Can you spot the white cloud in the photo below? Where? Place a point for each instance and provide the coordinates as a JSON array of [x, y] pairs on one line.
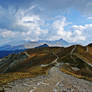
[[25, 25], [82, 27], [8, 33], [78, 32], [32, 25], [90, 18], [78, 27], [29, 26], [29, 20], [59, 25], [84, 32], [74, 35], [33, 29]]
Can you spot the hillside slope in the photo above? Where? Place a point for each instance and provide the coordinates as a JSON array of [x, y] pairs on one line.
[[74, 60]]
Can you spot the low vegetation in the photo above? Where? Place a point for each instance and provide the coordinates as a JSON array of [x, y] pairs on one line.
[[28, 63]]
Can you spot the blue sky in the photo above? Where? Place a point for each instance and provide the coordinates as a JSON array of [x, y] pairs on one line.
[[33, 20]]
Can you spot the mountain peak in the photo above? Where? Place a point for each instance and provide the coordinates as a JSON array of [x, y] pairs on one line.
[[44, 45]]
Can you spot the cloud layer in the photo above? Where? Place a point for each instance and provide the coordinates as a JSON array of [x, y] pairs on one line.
[[32, 20]]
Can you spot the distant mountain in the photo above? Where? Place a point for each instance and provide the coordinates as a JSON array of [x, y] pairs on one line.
[[9, 47], [4, 53], [90, 45], [5, 50], [44, 45], [60, 42], [33, 44]]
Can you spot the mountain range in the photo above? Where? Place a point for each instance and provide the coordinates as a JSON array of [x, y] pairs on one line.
[[7, 49], [33, 44]]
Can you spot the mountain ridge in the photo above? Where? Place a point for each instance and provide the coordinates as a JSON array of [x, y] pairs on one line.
[[33, 44], [75, 60]]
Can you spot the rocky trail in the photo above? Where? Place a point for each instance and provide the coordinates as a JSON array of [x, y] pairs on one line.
[[56, 81]]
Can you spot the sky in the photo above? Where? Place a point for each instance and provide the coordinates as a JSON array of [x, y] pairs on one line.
[[32, 20]]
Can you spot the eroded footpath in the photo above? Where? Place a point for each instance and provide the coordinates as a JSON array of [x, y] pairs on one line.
[[56, 81]]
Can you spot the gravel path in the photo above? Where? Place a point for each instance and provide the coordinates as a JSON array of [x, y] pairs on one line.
[[56, 81]]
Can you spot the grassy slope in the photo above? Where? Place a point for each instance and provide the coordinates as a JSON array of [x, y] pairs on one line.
[[29, 66], [77, 61]]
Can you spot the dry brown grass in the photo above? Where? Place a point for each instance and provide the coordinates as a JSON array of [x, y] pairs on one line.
[[8, 77], [85, 58], [34, 71], [77, 75], [35, 54], [30, 67]]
